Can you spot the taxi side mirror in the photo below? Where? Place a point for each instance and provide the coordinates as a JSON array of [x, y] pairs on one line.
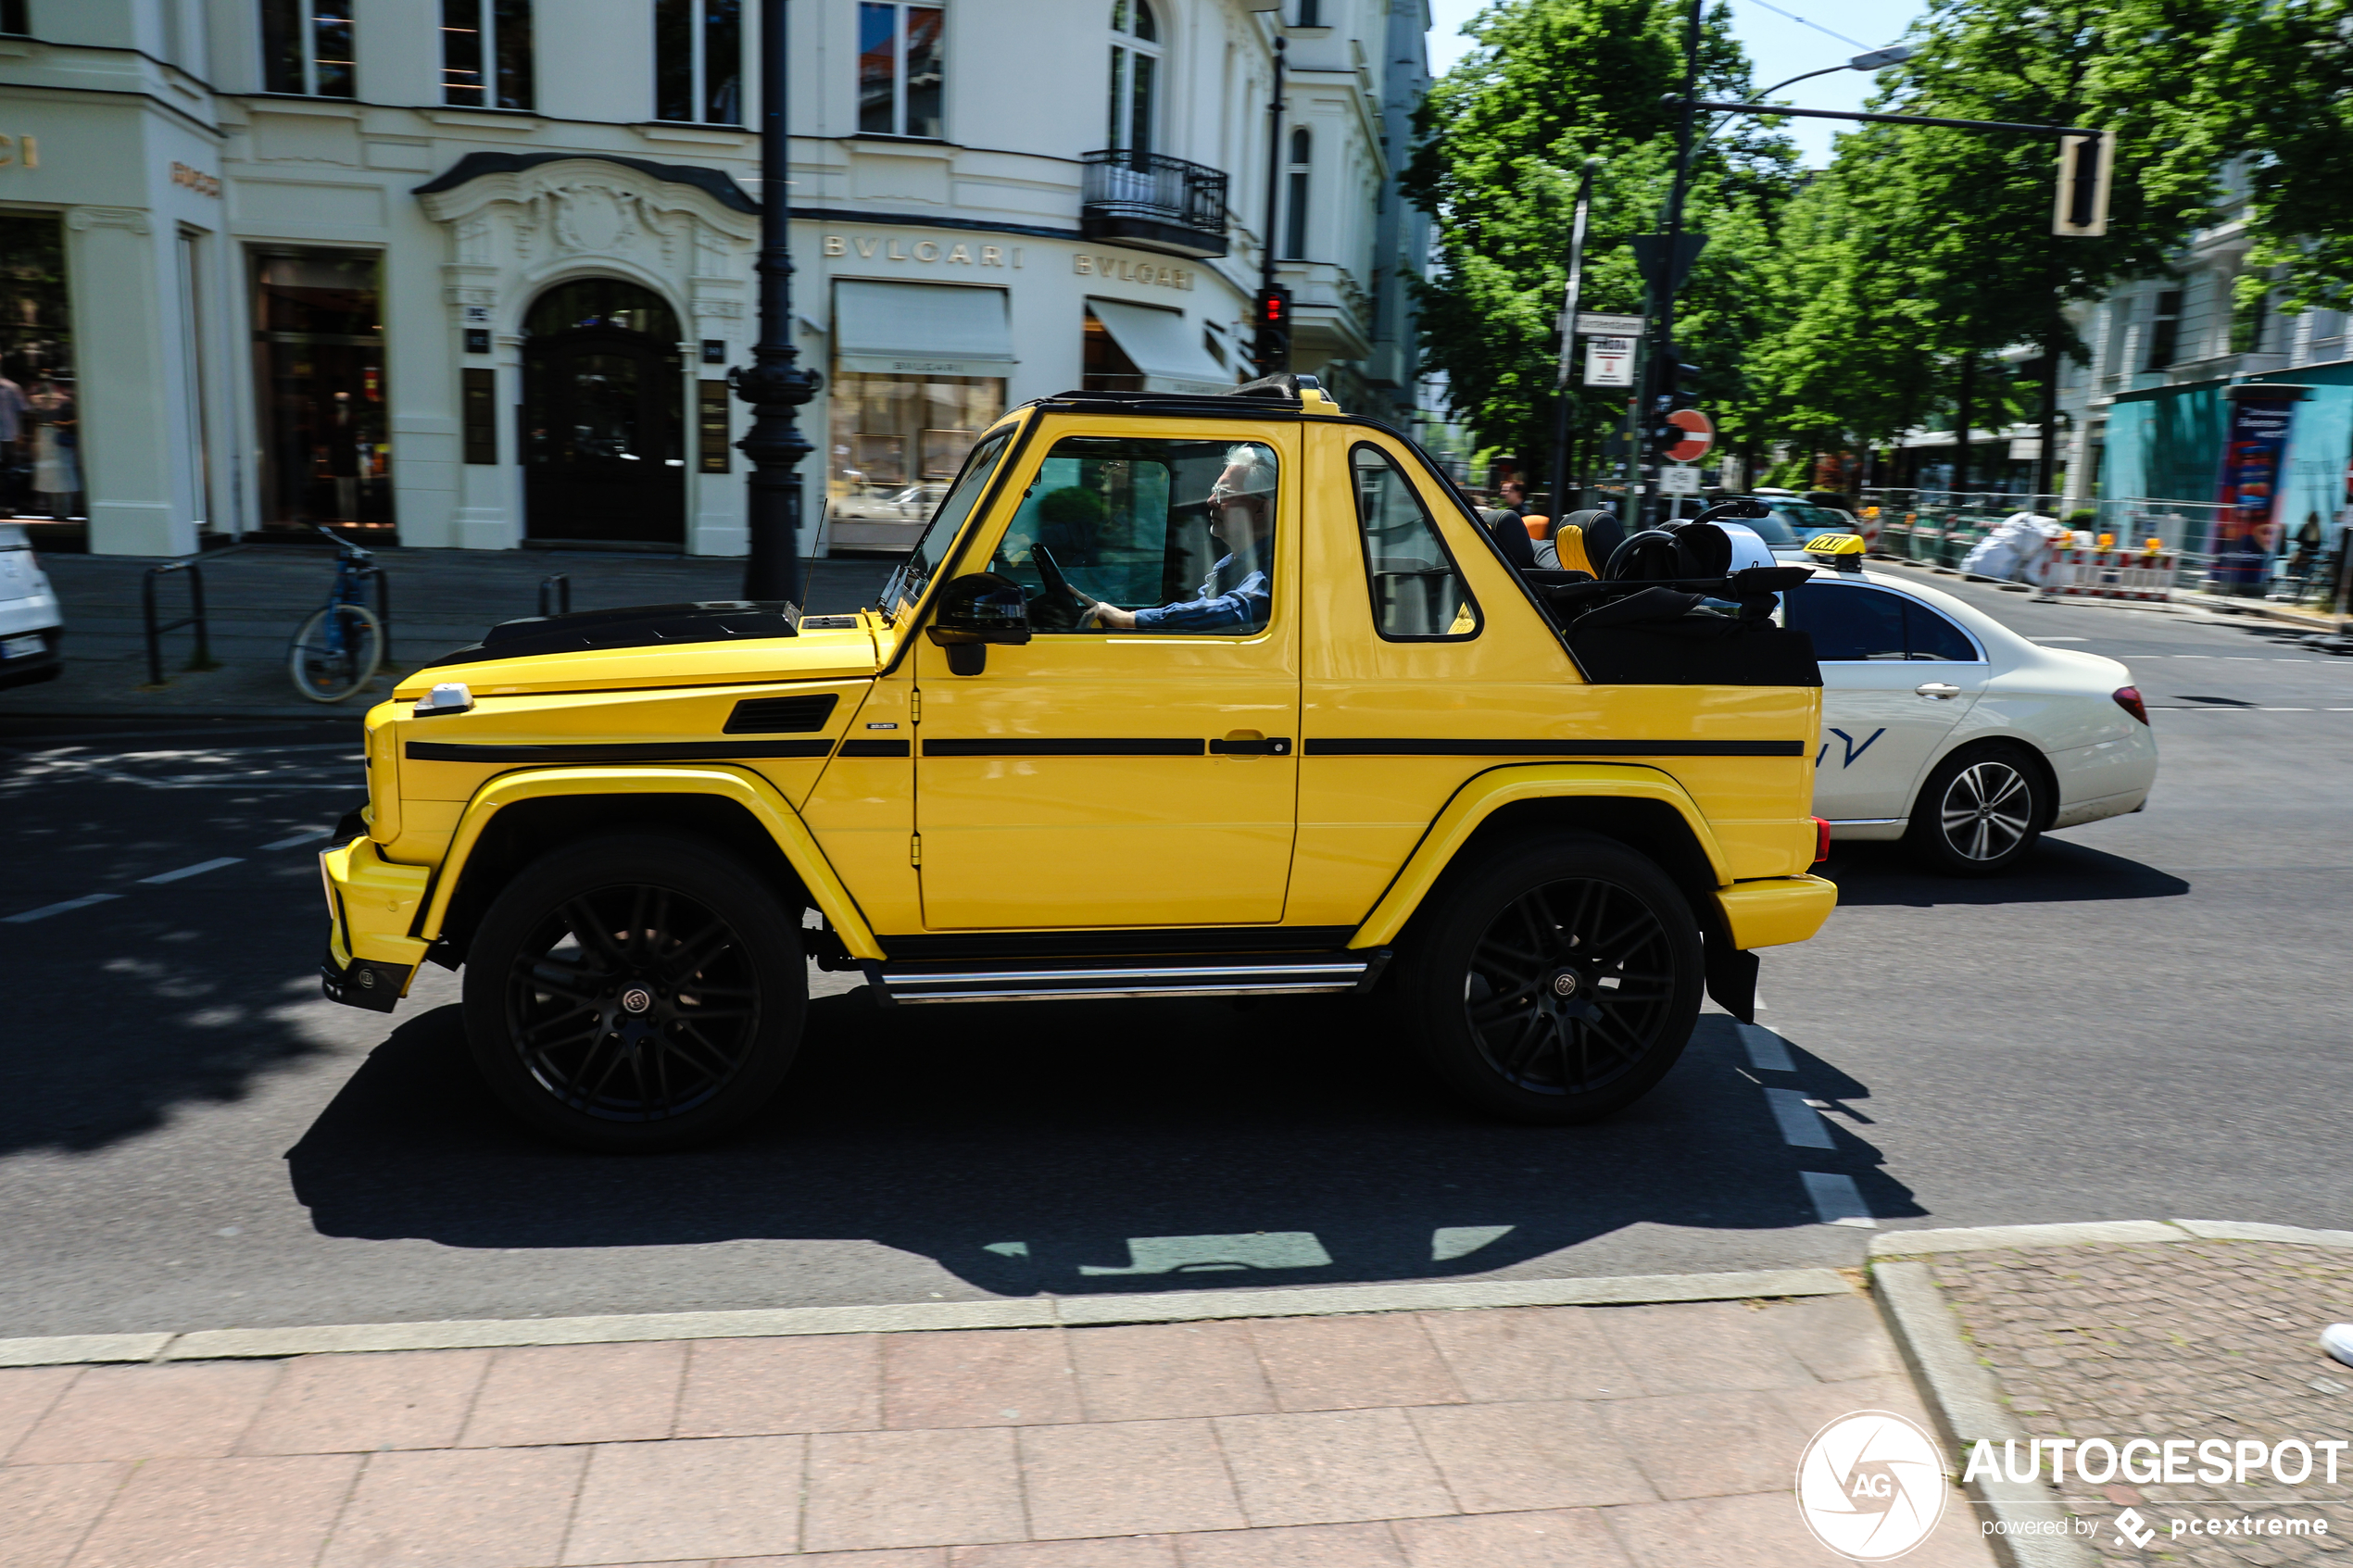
[[976, 609]]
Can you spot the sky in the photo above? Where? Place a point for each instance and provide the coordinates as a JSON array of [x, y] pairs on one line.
[[1779, 46]]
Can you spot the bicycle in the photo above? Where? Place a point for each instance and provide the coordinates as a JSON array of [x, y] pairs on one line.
[[337, 650]]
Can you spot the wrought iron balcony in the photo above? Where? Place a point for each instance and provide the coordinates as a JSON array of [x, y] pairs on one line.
[[1151, 200]]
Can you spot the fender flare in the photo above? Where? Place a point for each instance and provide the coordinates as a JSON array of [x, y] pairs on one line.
[[741, 786], [1480, 796]]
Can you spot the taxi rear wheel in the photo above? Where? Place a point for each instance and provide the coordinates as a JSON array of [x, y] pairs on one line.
[[1980, 812], [635, 993], [1555, 983]]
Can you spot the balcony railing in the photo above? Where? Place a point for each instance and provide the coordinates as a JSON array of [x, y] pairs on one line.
[[1151, 200]]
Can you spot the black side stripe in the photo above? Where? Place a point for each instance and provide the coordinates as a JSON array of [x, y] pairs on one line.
[[1060, 747], [653, 751], [874, 749], [1555, 748]]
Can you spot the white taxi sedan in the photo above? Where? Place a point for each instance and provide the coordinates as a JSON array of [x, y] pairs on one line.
[[1944, 728]]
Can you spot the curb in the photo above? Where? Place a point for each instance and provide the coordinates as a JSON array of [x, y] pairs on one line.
[[1961, 1394], [1049, 1312]]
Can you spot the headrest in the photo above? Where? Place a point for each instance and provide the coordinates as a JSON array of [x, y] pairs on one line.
[[1538, 527]]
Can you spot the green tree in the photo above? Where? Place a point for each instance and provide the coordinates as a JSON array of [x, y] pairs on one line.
[[1501, 136]]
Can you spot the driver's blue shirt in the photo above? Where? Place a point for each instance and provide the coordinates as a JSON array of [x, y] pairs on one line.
[[1234, 594]]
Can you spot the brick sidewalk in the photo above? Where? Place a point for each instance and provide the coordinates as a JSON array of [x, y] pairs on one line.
[[2187, 1339], [1662, 1437]]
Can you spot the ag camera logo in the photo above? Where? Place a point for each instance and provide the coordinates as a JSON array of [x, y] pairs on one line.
[[1872, 1485]]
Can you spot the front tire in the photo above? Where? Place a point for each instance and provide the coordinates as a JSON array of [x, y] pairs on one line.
[[1555, 983], [634, 994], [1980, 812]]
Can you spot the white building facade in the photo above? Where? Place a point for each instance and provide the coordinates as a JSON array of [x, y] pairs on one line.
[[472, 273]]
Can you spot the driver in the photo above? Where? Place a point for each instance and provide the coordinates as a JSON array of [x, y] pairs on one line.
[[1238, 591]]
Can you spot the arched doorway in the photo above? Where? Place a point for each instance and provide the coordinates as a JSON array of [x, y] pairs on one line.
[[604, 420]]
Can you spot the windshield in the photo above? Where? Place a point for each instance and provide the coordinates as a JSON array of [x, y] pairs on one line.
[[1774, 530], [906, 585], [1809, 520]]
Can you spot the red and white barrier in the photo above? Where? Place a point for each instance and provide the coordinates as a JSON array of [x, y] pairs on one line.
[[2111, 575]]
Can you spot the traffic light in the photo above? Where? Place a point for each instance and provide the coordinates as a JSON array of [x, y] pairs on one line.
[[1272, 346], [1674, 384], [2086, 163]]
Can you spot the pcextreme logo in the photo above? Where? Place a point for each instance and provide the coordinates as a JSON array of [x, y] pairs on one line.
[[1872, 1485]]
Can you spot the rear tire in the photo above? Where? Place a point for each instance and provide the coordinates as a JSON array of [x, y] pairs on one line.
[[634, 994], [326, 669], [1982, 812], [1555, 981]]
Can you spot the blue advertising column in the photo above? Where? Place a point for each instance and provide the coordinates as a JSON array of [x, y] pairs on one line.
[[2246, 534]]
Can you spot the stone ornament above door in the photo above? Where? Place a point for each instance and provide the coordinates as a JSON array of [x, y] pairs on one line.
[[517, 219]]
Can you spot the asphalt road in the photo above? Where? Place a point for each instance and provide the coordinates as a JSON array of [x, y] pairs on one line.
[[2149, 1022]]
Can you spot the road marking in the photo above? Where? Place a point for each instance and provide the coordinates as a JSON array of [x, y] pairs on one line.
[[310, 835], [197, 870], [2283, 710], [1197, 1254], [2048, 641], [1768, 1052], [1449, 1242], [1837, 1199], [48, 909], [1802, 1125]]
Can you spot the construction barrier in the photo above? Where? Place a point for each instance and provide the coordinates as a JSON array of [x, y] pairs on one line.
[[2111, 575]]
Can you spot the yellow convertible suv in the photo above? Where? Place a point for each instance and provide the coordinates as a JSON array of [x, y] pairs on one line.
[[1176, 697]]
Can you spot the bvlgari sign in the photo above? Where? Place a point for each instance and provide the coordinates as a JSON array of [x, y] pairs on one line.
[[940, 255]]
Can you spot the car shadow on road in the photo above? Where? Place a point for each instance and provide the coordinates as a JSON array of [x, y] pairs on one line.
[[2057, 872], [1076, 1147]]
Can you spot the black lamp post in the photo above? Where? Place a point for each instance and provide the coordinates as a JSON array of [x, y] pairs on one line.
[[1271, 358], [773, 385]]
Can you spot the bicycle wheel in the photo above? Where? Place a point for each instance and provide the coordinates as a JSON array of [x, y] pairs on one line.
[[336, 651]]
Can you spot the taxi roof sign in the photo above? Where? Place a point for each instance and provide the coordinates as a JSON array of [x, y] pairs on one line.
[[1840, 552]]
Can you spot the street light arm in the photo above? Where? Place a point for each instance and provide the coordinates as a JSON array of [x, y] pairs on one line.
[[1727, 119]]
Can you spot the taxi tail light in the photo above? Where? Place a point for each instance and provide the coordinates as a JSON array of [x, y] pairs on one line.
[[1822, 840], [2129, 699]]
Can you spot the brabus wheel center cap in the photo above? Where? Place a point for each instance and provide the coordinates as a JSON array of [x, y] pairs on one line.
[[636, 999], [1565, 983]]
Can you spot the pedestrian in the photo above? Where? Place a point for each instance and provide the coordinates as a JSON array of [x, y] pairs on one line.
[[57, 463], [14, 407], [1514, 496]]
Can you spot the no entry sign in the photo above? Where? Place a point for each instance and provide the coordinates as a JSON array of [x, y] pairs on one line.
[[1699, 434]]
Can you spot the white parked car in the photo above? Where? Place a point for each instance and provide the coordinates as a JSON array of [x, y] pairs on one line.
[[1944, 728], [29, 622]]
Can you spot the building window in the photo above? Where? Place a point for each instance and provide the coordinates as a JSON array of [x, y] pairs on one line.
[[39, 425], [698, 61], [902, 63], [485, 54], [319, 359], [1135, 74], [1302, 148], [1311, 13], [13, 19], [306, 48], [2165, 330]]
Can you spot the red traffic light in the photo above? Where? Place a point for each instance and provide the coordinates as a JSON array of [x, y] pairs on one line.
[[1698, 435], [1274, 308]]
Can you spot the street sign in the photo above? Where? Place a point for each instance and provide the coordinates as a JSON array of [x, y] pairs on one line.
[[1609, 361], [1679, 482], [1593, 325], [1699, 434], [2026, 448], [1650, 259]]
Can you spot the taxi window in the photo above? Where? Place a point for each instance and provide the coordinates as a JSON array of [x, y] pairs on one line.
[[1179, 532], [1418, 594], [1852, 624]]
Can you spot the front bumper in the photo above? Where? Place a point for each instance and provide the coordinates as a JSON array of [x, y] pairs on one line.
[[371, 904], [30, 669]]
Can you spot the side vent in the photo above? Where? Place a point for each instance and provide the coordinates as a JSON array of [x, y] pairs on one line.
[[781, 715]]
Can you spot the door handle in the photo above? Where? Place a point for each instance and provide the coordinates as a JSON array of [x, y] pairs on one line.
[[1940, 690], [1236, 745]]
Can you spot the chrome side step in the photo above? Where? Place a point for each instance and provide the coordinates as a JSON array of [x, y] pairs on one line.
[[1272, 975]]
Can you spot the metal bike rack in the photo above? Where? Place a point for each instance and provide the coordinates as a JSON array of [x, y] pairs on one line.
[[555, 595], [194, 618]]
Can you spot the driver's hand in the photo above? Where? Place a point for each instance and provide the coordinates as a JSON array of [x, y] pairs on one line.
[[1113, 617]]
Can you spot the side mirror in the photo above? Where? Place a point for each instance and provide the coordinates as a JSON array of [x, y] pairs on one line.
[[976, 609]]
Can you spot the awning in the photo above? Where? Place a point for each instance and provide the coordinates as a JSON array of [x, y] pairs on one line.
[[1166, 347], [921, 329]]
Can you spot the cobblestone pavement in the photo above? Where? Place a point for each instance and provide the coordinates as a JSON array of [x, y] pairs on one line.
[[1659, 1436], [2197, 1340]]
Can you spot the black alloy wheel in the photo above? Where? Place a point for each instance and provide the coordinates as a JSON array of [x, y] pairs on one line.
[[1556, 983], [635, 993], [1980, 813]]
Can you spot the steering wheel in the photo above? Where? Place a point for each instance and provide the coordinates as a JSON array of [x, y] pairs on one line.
[[1068, 600]]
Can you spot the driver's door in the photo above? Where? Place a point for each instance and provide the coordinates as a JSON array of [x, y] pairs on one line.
[[1096, 778]]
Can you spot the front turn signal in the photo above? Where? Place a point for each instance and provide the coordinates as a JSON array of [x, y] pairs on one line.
[[2129, 699]]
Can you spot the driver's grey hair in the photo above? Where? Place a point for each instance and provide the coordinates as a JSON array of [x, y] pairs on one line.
[[1257, 466]]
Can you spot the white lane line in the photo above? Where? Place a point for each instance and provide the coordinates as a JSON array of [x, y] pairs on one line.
[[1837, 1199], [2282, 710], [48, 909], [308, 836], [1802, 1125], [197, 870], [2047, 641], [1768, 1052]]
